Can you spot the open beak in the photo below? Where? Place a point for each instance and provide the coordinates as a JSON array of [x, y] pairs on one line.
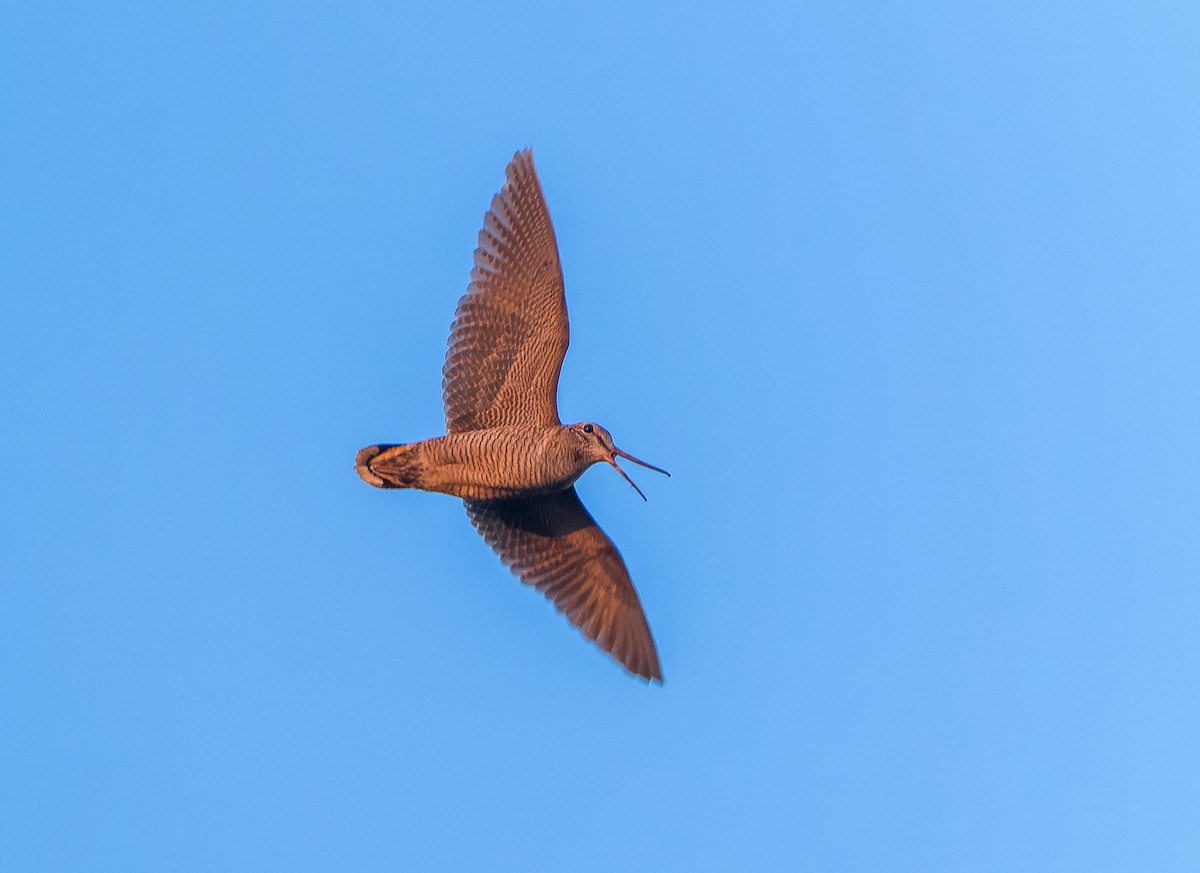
[[617, 453]]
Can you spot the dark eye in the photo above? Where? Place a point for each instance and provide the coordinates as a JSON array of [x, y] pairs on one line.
[[587, 428]]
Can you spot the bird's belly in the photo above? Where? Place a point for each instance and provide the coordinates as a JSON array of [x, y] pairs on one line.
[[495, 464]]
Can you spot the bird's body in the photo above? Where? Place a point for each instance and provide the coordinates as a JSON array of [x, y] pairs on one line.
[[492, 464], [505, 453]]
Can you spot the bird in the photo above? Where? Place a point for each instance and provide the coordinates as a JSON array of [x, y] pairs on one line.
[[505, 453]]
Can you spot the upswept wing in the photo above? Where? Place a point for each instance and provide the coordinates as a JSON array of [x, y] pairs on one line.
[[510, 331], [553, 544]]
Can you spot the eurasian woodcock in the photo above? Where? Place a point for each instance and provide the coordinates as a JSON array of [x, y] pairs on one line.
[[506, 454]]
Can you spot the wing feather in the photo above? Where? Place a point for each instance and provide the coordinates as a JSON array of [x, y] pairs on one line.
[[510, 331], [554, 544]]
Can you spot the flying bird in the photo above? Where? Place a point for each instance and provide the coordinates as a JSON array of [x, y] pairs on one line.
[[505, 452]]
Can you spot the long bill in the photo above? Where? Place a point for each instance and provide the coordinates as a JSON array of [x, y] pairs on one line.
[[618, 453]]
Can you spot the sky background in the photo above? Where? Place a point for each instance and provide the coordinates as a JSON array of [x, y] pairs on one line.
[[907, 300]]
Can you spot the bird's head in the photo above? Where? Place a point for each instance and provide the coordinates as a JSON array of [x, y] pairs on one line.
[[597, 447]]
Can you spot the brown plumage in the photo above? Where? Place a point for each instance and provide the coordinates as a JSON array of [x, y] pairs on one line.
[[505, 453]]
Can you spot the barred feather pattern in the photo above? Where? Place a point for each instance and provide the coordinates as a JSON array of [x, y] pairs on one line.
[[483, 464], [506, 453], [553, 543], [510, 330]]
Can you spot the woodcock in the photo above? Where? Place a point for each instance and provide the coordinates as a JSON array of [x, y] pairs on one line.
[[505, 453]]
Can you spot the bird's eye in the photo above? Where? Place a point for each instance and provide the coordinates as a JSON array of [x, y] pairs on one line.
[[587, 428]]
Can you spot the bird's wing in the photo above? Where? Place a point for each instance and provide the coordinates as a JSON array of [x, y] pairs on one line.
[[510, 330], [553, 544]]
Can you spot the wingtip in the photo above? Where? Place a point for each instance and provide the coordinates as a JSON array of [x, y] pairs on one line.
[[643, 664], [656, 673], [523, 165]]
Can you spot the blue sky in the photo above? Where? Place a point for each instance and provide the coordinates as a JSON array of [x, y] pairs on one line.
[[906, 299]]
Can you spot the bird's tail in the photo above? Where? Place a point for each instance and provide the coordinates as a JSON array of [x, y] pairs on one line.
[[394, 466]]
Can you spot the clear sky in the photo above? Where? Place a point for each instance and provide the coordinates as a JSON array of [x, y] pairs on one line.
[[907, 300]]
